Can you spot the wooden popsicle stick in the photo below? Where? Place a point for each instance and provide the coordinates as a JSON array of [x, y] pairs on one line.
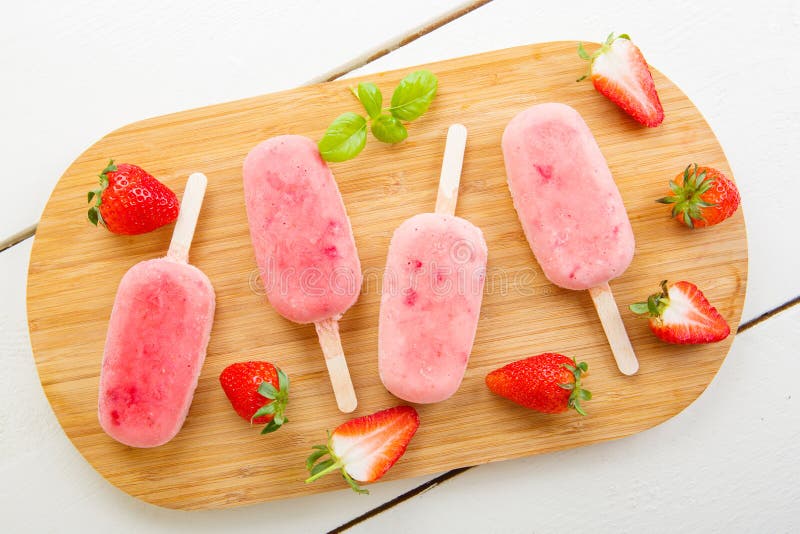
[[452, 162], [328, 334], [614, 328], [187, 217]]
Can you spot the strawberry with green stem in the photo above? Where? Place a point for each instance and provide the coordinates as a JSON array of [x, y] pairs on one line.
[[364, 448], [258, 392], [680, 313], [547, 383], [130, 201], [704, 198], [619, 71]]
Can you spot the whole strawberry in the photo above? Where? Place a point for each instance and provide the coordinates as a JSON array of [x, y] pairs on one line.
[[681, 314], [364, 448], [707, 197], [130, 201], [618, 71], [258, 391], [548, 383]]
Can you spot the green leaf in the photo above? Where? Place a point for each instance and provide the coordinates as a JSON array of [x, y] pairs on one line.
[[268, 409], [283, 382], [388, 129], [414, 95], [314, 456], [370, 96], [639, 308], [93, 216], [624, 36], [91, 195], [583, 366], [271, 427], [584, 394], [353, 484], [568, 386], [266, 389], [583, 53], [344, 138], [321, 467]]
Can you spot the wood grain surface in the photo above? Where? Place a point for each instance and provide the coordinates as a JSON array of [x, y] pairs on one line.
[[217, 460]]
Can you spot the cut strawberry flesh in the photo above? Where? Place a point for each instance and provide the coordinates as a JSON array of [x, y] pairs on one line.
[[695, 319], [369, 446], [622, 75]]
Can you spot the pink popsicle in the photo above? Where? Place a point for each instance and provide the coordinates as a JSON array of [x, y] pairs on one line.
[[304, 244], [302, 237], [156, 340], [569, 206], [430, 303], [571, 210], [431, 294]]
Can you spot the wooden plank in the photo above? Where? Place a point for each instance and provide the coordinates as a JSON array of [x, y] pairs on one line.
[[217, 460]]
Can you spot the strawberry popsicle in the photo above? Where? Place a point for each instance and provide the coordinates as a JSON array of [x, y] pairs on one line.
[[571, 210], [157, 338], [431, 294], [304, 244]]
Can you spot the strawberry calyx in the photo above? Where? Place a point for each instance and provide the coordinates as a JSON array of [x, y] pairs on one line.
[[605, 47], [687, 200], [655, 305], [94, 211], [279, 398], [577, 393], [318, 469]]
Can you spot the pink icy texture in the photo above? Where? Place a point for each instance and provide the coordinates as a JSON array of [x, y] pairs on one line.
[[302, 237], [430, 303], [569, 206], [155, 347]]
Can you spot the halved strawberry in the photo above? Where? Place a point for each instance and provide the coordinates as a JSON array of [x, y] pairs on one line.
[[706, 197], [366, 447], [681, 314], [618, 70]]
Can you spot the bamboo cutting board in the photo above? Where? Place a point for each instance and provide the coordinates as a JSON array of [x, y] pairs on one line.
[[218, 460]]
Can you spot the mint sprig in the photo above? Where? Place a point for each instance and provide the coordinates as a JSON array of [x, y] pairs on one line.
[[346, 137]]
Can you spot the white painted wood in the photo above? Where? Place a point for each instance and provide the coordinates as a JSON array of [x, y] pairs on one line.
[[39, 465], [728, 463], [73, 72], [746, 87]]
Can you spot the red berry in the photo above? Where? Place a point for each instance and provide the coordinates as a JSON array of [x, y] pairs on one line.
[[705, 197], [681, 314], [548, 383], [130, 201], [258, 391], [363, 449], [618, 71]]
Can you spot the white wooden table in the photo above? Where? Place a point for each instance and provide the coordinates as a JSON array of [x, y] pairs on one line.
[[73, 71]]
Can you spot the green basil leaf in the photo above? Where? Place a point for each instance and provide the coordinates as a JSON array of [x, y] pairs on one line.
[[388, 129], [414, 94], [344, 138], [371, 97]]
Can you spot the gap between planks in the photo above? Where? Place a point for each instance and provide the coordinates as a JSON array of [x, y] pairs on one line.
[[356, 63], [435, 482]]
